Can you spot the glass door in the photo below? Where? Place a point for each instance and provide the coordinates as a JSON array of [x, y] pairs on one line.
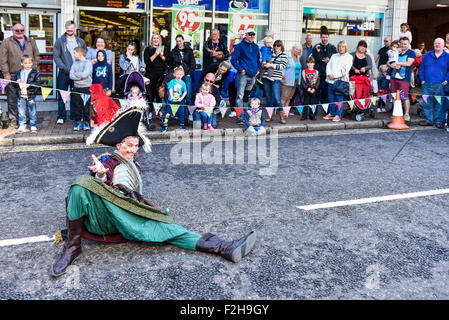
[[7, 20], [42, 28]]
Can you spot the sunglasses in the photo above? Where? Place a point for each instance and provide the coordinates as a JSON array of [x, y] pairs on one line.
[[19, 30], [207, 80], [252, 34], [277, 45]]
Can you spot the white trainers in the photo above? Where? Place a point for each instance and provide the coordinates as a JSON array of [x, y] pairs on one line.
[[60, 121], [33, 129], [232, 114], [378, 110], [21, 129]]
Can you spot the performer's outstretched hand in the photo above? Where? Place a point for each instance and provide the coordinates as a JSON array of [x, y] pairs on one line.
[[98, 168]]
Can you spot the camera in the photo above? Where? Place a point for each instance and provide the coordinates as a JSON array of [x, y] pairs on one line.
[[24, 4]]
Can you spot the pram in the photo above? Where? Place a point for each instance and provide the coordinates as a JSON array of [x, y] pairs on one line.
[[135, 79], [362, 91]]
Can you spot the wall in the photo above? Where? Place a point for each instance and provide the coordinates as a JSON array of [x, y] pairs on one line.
[[286, 21], [427, 25]]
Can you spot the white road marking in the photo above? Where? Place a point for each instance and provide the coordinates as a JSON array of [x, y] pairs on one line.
[[12, 242], [373, 199]]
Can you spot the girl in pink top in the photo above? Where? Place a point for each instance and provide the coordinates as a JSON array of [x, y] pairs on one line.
[[205, 101]]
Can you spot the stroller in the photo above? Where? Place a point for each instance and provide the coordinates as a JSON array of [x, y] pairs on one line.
[[135, 79], [362, 90]]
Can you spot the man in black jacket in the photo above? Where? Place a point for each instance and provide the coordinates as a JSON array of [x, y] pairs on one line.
[[322, 52], [182, 56], [215, 50]]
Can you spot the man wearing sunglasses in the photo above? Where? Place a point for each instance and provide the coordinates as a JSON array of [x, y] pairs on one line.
[[246, 60], [11, 52], [382, 56]]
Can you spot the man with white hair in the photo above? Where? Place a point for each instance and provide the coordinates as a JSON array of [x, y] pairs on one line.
[[434, 74], [269, 34], [307, 49]]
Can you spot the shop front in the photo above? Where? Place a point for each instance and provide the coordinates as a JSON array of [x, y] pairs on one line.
[[40, 22], [350, 26], [120, 22]]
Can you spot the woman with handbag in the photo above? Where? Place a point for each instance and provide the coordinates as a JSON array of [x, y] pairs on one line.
[[337, 77]]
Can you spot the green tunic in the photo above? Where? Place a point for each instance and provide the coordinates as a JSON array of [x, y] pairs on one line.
[[109, 212]]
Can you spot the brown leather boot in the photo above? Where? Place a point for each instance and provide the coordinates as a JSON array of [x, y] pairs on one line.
[[281, 115], [72, 247], [230, 250]]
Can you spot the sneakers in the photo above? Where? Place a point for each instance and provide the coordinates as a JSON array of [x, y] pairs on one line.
[[406, 117], [328, 117], [86, 126], [210, 127], [60, 121], [77, 126], [21, 129], [232, 114], [164, 128], [336, 119], [205, 126], [183, 127], [33, 129]]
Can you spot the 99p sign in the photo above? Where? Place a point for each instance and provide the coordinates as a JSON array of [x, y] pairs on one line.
[[188, 19]]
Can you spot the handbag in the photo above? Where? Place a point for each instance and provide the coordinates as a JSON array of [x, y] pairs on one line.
[[341, 87]]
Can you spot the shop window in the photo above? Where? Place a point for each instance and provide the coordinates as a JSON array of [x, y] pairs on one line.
[[342, 22], [7, 20], [128, 4], [117, 28]]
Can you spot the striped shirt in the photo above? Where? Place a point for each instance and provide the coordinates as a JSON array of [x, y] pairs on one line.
[[280, 62]]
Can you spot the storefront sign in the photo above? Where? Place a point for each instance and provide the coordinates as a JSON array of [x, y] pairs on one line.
[[240, 20], [366, 26], [189, 21]]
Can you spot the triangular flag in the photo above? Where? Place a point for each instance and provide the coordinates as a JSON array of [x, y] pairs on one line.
[[157, 107], [339, 105], [286, 111], [438, 98], [394, 95], [270, 111], [23, 87], [223, 111], [373, 100], [64, 95], [300, 108], [238, 111], [313, 108], [174, 109], [191, 109], [362, 102], [45, 92], [209, 110], [325, 107], [85, 97], [425, 96], [123, 102], [351, 104], [384, 98], [3, 84]]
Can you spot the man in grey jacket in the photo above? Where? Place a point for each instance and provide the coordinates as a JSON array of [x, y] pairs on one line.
[[63, 56]]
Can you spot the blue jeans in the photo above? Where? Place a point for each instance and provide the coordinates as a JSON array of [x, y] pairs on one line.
[[334, 97], [446, 102], [202, 116], [433, 110], [244, 83], [63, 82], [188, 81], [23, 105], [273, 93]]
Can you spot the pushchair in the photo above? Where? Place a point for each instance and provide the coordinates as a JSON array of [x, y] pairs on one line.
[[362, 90], [136, 79]]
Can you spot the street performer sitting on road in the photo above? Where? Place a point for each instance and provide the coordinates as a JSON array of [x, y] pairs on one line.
[[108, 205]]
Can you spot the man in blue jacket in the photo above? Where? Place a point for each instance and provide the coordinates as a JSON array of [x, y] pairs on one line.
[[434, 74], [246, 60]]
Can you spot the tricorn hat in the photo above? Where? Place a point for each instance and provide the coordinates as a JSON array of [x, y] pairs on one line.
[[113, 123]]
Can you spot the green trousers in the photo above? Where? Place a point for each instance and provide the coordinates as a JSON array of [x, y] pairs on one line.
[[104, 217]]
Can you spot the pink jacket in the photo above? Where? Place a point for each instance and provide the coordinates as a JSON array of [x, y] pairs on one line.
[[204, 101]]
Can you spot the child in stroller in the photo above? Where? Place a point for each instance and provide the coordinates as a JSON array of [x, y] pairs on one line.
[[135, 93], [383, 86], [361, 97]]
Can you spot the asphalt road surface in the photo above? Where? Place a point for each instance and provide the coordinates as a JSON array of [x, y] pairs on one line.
[[390, 249]]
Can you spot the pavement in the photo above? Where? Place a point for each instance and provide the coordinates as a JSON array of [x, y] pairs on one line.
[[51, 133]]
